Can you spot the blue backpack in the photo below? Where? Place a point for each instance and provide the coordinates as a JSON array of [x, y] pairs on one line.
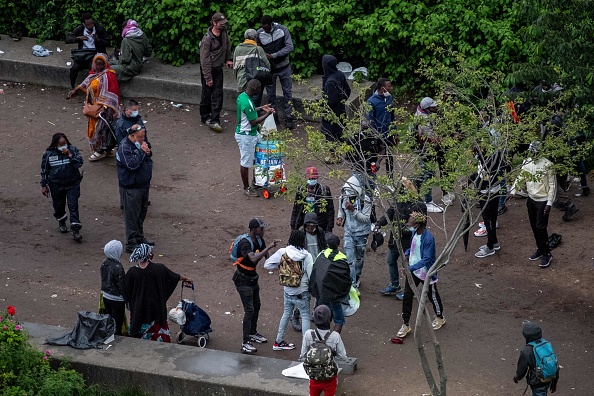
[[233, 248], [546, 360]]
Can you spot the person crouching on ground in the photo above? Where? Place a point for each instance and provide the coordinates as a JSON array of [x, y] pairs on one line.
[[246, 133], [112, 284], [60, 176], [421, 256], [250, 252], [322, 319], [295, 265], [147, 287], [330, 280]]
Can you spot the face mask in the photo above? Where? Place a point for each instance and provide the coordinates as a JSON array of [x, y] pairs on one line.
[[412, 229], [223, 28], [134, 114], [137, 145], [312, 182], [387, 94], [61, 148]]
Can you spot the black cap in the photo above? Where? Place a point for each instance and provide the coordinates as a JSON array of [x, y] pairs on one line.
[[257, 223], [332, 240], [311, 218]]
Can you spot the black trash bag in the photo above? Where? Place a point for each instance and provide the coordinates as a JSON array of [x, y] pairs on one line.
[[90, 331]]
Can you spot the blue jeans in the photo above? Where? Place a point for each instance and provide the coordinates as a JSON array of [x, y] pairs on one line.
[[336, 309], [292, 302], [354, 249], [542, 391], [393, 266]]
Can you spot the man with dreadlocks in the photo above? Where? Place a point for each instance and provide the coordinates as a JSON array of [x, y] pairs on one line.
[[295, 262], [147, 287], [421, 256]]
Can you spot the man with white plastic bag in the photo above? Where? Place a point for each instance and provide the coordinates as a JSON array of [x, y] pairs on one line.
[[246, 133]]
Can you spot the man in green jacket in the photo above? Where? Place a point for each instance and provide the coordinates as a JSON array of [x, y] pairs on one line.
[[244, 51], [135, 47]]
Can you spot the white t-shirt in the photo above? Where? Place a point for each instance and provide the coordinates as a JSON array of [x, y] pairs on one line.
[[90, 42]]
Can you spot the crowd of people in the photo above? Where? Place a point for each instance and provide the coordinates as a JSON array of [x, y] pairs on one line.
[[312, 268]]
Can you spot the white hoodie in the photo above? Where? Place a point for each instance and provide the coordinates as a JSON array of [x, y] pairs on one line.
[[295, 254]]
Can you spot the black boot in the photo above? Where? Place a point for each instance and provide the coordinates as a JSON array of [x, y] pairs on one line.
[[62, 226], [76, 234], [569, 212]]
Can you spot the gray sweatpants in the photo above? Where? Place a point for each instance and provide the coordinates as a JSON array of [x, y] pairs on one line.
[[287, 85], [135, 208]]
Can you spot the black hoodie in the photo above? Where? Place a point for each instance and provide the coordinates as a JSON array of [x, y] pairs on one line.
[[336, 91], [527, 361]]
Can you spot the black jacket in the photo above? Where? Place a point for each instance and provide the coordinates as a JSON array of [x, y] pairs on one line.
[[123, 125], [323, 207], [400, 214], [330, 279], [100, 45], [135, 168], [112, 277], [527, 361], [60, 169], [336, 91]]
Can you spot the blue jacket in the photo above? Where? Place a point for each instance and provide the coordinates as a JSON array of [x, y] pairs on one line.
[[427, 253], [59, 169], [123, 125], [380, 116], [135, 168]]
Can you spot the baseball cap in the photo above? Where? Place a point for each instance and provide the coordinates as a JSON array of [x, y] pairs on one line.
[[311, 172], [219, 17], [428, 102], [257, 223]]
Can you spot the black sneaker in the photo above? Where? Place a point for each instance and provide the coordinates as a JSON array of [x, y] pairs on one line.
[[259, 338], [585, 191], [289, 123], [537, 255], [247, 347], [545, 260], [76, 235], [62, 226], [569, 212]]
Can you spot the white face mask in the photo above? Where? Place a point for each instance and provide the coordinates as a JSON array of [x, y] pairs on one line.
[[387, 94], [61, 148]]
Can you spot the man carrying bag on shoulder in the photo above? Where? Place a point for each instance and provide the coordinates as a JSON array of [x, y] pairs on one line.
[[249, 62]]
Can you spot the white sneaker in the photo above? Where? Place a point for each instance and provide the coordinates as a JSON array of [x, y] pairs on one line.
[[432, 207], [438, 323], [404, 330], [448, 199]]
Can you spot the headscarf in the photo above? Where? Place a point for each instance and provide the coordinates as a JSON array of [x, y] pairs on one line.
[[113, 250], [109, 90], [141, 254], [131, 29], [322, 317]]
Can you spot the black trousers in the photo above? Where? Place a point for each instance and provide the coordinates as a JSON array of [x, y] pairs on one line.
[[539, 223], [115, 309], [62, 195], [490, 209], [249, 292], [409, 296], [211, 101], [76, 68], [135, 208]]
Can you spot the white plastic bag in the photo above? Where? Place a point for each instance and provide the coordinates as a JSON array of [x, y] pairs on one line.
[[177, 315], [268, 126]]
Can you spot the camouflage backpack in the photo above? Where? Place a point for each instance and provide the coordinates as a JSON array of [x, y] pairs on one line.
[[290, 272], [319, 361]]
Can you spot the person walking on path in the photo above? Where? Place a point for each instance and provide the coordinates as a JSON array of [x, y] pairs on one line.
[[135, 171], [294, 261], [112, 284], [250, 251], [215, 53], [541, 185], [147, 287], [243, 56], [381, 116], [330, 281], [313, 198], [246, 133], [276, 41], [135, 47], [60, 178], [527, 365], [355, 215], [421, 256]]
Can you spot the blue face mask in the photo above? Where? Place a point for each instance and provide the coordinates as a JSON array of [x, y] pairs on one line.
[[134, 114], [137, 145], [312, 182]]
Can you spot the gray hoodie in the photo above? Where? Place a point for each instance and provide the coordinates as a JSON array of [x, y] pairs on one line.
[[357, 222], [295, 254]]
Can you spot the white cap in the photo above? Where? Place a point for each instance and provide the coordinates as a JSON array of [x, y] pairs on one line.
[[428, 102]]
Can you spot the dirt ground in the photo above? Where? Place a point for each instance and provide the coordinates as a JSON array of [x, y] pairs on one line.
[[197, 208]]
